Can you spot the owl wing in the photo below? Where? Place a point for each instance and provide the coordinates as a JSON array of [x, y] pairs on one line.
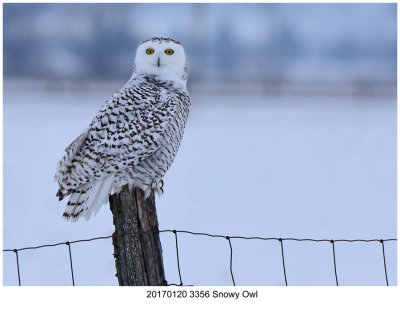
[[126, 129]]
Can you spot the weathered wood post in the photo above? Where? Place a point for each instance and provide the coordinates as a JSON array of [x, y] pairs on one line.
[[137, 246]]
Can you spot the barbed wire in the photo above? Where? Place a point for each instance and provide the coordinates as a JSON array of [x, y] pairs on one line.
[[228, 238]]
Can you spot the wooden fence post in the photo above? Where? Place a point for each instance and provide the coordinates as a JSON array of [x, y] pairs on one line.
[[137, 246]]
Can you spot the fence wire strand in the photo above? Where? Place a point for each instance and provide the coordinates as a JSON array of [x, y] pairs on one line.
[[384, 261], [228, 238], [230, 260], [70, 262], [16, 256], [283, 260], [334, 261], [177, 257]]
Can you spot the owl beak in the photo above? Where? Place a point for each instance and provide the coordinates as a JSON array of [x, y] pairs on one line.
[[158, 62]]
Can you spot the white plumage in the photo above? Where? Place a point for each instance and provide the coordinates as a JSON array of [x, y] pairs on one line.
[[134, 137]]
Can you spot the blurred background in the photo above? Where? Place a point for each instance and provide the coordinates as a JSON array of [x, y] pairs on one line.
[[274, 47], [292, 133]]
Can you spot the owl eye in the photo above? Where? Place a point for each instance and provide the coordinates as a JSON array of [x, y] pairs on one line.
[[149, 51], [169, 51]]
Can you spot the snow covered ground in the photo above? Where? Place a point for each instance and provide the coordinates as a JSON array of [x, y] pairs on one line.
[[248, 165]]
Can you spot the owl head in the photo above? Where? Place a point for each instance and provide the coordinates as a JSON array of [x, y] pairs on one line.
[[164, 58]]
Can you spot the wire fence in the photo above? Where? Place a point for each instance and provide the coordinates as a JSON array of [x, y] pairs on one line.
[[228, 238]]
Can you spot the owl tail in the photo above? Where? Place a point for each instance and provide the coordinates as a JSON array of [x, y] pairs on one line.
[[87, 199]]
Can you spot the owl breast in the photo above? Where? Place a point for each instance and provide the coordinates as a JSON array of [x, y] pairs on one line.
[[148, 173]]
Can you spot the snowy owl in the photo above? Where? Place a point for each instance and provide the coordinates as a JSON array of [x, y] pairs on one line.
[[134, 137]]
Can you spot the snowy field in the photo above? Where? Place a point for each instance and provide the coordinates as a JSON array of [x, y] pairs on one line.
[[248, 165]]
